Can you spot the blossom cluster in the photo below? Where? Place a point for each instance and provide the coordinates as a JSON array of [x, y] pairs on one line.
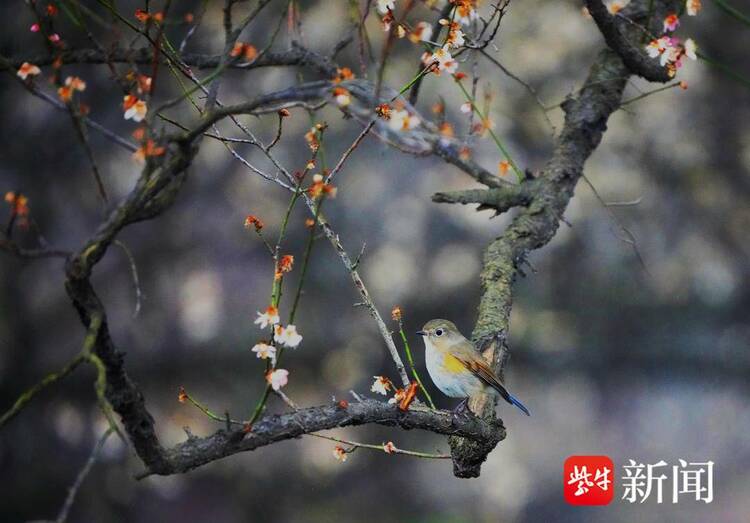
[[669, 49]]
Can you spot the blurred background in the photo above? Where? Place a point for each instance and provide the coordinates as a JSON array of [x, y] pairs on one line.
[[611, 357]]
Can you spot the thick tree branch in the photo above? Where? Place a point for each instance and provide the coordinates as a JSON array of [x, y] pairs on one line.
[[625, 42], [274, 428], [585, 122]]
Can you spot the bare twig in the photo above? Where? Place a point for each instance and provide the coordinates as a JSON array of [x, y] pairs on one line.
[[73, 490], [349, 151], [134, 273], [383, 448], [48, 380]]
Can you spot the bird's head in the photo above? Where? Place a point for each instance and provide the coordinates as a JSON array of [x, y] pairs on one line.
[[441, 333]]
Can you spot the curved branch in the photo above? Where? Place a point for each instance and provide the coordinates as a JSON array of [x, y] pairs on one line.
[[620, 41], [195, 452], [585, 122]]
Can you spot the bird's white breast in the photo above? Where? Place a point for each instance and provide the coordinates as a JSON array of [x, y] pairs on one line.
[[451, 384]]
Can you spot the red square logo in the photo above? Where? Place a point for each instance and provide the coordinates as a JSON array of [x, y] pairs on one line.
[[588, 480]]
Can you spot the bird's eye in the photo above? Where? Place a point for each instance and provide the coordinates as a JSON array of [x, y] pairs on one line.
[[438, 332]]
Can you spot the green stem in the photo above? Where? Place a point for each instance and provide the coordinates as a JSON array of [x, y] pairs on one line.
[[49, 379], [259, 407], [648, 20], [54, 377], [725, 69], [276, 288], [412, 81], [305, 263], [208, 412], [411, 364], [649, 93], [275, 298], [499, 144], [733, 12]]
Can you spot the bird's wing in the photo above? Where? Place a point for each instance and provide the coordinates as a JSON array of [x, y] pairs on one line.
[[479, 368]]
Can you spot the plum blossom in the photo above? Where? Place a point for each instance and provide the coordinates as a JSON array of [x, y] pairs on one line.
[[381, 385], [342, 96], [287, 336], [135, 109], [455, 34], [271, 316], [670, 51], [692, 7], [340, 453], [445, 61], [401, 120], [277, 378], [422, 33], [671, 22], [27, 70], [464, 13], [265, 351], [75, 83]]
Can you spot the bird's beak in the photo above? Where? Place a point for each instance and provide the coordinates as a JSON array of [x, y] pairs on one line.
[[422, 333]]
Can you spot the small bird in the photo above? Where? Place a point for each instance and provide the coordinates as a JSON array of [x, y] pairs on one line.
[[455, 366]]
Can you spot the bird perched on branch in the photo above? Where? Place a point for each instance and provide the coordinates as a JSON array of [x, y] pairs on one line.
[[455, 366]]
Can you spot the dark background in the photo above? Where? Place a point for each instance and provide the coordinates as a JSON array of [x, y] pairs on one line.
[[610, 357]]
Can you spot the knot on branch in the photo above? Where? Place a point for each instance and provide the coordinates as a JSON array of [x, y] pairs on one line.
[[624, 41]]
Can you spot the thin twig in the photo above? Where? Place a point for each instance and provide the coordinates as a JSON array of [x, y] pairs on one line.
[[73, 490], [134, 273], [628, 238], [49, 379], [349, 151], [391, 450]]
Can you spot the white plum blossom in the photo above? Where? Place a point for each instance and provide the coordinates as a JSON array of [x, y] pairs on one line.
[[287, 336], [422, 32], [271, 316], [401, 120], [265, 351], [340, 453], [464, 14], [445, 61], [381, 385], [342, 96], [135, 109], [277, 378]]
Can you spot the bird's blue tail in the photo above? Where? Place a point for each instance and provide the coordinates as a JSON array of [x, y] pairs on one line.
[[515, 401]]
